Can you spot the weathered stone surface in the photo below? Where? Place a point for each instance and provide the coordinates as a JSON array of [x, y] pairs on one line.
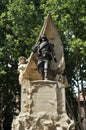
[[39, 107], [44, 97], [24, 96], [28, 70]]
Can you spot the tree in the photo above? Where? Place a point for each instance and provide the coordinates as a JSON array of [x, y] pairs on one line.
[[20, 25]]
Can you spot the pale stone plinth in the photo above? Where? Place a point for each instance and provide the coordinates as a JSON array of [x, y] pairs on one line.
[[39, 107], [44, 97]]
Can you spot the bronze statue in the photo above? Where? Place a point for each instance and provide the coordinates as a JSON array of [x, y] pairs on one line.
[[46, 54]]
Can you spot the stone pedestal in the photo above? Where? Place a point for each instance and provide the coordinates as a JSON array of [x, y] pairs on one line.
[[43, 102], [40, 101]]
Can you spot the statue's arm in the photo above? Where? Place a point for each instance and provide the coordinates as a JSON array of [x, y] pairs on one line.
[[35, 48]]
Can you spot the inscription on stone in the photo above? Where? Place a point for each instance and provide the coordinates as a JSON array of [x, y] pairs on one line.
[[45, 100]]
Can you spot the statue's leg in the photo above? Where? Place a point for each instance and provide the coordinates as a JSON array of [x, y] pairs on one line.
[[46, 68], [41, 69]]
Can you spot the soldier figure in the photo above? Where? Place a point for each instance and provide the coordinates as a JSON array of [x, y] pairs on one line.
[[45, 52]]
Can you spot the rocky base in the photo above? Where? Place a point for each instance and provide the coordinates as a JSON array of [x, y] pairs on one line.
[[41, 121], [42, 107]]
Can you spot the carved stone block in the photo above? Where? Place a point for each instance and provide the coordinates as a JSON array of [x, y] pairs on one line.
[[44, 97]]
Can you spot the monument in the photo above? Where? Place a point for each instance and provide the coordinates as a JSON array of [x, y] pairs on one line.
[[43, 100]]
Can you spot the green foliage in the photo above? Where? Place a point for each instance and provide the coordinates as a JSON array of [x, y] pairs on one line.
[[20, 25]]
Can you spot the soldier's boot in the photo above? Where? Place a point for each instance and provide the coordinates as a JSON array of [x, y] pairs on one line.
[[45, 75], [42, 75], [41, 71]]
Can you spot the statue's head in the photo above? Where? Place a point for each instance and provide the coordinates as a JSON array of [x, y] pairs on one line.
[[22, 60], [44, 38]]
